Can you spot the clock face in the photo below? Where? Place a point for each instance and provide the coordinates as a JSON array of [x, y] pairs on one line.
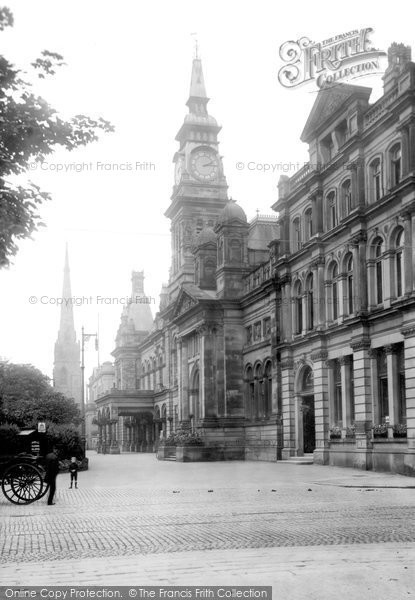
[[205, 165]]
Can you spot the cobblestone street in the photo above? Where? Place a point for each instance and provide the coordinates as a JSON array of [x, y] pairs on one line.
[[309, 531]]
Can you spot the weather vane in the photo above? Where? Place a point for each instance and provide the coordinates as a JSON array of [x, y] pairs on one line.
[[196, 44]]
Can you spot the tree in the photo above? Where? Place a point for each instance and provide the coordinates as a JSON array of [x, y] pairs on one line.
[[27, 397], [30, 129]]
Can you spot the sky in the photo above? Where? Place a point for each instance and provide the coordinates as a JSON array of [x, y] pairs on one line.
[[130, 62]]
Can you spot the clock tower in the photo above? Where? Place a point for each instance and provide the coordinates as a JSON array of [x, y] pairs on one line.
[[200, 188]]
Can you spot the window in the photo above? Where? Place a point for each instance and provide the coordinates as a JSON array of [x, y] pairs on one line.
[[308, 224], [331, 210], [267, 327], [395, 164], [401, 374], [399, 264], [310, 301], [298, 309], [296, 234], [267, 389], [383, 408], [257, 331], [346, 197], [378, 247], [375, 182], [248, 331], [349, 285], [334, 292], [250, 392], [338, 409]]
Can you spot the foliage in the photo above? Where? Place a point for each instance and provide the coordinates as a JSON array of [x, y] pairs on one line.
[[8, 439], [183, 438], [30, 130], [351, 431], [400, 430], [66, 439], [380, 430], [335, 433], [27, 397]]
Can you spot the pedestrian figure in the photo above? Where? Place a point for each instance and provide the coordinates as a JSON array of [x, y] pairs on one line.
[[73, 470], [52, 470]]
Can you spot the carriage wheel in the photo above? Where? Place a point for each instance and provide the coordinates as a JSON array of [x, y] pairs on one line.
[[23, 484]]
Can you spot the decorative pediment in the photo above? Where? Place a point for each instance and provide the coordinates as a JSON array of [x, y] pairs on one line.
[[184, 303], [327, 103]]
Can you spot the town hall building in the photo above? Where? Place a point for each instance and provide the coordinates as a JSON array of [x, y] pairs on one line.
[[294, 334]]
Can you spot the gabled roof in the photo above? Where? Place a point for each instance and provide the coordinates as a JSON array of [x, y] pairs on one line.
[[328, 102]]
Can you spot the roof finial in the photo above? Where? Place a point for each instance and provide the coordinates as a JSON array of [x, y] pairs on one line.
[[196, 48]]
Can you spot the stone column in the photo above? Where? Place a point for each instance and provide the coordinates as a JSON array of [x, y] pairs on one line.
[[331, 392], [408, 333], [184, 381], [373, 355], [321, 407], [299, 426], [393, 387], [408, 265], [345, 367], [363, 402], [288, 410], [317, 211], [405, 150], [358, 244], [319, 292], [286, 307], [412, 145]]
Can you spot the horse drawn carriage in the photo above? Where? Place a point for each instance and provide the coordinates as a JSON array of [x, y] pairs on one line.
[[22, 476]]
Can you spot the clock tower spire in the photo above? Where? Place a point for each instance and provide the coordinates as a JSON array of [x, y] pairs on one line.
[[200, 190]]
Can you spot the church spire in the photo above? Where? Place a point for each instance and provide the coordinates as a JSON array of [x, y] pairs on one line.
[[197, 95], [66, 367], [67, 326]]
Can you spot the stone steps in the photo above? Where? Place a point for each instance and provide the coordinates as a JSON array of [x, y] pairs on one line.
[[307, 459]]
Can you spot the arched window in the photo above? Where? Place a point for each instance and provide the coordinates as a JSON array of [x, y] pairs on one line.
[[259, 392], [334, 300], [331, 210], [399, 274], [296, 234], [346, 191], [378, 251], [395, 164], [375, 180], [268, 389], [310, 301], [298, 308], [250, 392], [349, 285], [308, 224]]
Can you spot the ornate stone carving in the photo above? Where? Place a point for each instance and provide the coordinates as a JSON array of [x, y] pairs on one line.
[[288, 363], [408, 331], [358, 238], [361, 344], [320, 355]]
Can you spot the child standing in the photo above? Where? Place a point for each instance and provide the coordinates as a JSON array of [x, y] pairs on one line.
[[73, 470]]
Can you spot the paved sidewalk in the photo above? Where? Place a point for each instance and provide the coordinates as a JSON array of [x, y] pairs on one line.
[[134, 520]]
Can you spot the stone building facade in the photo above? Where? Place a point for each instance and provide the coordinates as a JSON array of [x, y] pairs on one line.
[[293, 334]]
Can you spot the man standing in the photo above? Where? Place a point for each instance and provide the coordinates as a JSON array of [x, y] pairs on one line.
[[52, 470]]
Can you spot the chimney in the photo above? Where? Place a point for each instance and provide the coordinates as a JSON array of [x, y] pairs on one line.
[[399, 56]]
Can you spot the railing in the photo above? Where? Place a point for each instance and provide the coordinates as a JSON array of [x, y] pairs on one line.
[[379, 109], [298, 177]]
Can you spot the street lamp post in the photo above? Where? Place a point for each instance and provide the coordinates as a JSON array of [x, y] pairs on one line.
[[85, 337]]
